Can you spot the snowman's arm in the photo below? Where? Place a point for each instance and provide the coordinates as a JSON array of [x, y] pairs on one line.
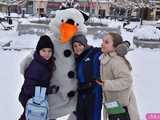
[[25, 63]]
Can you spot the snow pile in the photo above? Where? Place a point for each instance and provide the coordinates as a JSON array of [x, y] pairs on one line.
[[148, 33], [98, 20], [1, 43], [24, 21], [2, 15], [38, 19], [18, 42], [131, 26], [33, 20], [26, 42], [103, 21], [114, 24]]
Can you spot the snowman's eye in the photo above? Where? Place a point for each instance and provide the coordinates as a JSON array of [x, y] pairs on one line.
[[62, 20], [77, 24]]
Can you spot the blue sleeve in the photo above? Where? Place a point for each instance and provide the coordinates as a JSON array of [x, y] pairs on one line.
[[96, 64]]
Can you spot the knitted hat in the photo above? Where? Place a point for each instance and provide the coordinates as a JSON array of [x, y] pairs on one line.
[[44, 42], [80, 38]]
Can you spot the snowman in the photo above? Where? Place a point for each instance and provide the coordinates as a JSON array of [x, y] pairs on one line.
[[65, 25]]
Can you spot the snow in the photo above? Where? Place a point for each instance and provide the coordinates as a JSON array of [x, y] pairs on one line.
[[131, 25], [2, 15], [10, 108], [110, 23], [23, 41], [145, 63], [38, 18], [31, 20], [148, 32]]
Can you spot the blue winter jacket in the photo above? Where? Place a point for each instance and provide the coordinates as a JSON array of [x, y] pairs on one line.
[[89, 103], [38, 73], [88, 67]]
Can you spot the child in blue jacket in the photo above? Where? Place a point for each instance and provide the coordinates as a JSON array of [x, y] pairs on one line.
[[89, 103], [39, 71]]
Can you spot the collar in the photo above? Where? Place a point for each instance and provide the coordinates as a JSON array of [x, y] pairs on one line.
[[112, 54], [83, 55], [105, 58]]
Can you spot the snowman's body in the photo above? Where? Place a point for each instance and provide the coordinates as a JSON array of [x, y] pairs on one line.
[[60, 104], [64, 76]]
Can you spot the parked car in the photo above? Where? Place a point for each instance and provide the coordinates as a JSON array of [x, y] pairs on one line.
[[158, 24], [122, 18]]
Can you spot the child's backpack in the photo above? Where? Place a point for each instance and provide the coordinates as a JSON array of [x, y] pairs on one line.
[[37, 107]]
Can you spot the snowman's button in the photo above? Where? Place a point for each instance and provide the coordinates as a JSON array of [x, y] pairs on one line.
[[67, 53], [71, 74]]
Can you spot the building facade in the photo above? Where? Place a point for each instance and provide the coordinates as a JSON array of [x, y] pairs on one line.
[[98, 8], [155, 9]]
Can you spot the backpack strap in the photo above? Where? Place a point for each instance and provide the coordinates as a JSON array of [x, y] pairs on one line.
[[43, 92], [40, 93]]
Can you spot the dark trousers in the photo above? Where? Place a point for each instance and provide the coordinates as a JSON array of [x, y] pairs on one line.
[[89, 106], [122, 116]]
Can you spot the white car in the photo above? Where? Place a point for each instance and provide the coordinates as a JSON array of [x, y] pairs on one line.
[[158, 24]]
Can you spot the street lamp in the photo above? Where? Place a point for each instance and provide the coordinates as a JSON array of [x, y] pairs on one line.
[[8, 8]]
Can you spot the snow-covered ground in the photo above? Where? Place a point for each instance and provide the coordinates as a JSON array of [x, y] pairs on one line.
[[145, 62]]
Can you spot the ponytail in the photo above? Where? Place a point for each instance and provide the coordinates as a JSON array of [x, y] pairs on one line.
[[128, 63]]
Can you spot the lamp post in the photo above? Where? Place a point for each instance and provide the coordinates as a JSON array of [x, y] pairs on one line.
[[141, 15], [8, 8], [142, 12]]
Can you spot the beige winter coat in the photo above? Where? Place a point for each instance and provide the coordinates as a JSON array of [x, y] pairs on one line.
[[118, 85]]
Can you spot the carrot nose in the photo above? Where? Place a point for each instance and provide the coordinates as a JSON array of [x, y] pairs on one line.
[[67, 31]]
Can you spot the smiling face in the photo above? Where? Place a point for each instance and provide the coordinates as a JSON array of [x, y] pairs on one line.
[[46, 53], [78, 48]]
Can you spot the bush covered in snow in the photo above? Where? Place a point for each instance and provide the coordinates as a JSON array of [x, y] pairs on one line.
[[147, 33], [147, 37]]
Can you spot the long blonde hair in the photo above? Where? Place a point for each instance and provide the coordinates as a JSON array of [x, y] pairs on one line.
[[117, 39]]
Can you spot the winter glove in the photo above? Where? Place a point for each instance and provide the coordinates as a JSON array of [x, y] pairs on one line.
[[122, 49], [86, 86], [52, 89], [71, 94]]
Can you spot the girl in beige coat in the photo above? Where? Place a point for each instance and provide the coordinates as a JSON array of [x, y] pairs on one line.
[[116, 79]]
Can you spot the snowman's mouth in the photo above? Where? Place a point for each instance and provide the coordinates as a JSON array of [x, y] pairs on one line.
[[70, 21]]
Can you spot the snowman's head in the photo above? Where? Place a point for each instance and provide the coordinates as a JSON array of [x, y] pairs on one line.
[[67, 23]]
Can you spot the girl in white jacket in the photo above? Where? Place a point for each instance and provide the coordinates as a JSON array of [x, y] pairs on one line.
[[116, 79]]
